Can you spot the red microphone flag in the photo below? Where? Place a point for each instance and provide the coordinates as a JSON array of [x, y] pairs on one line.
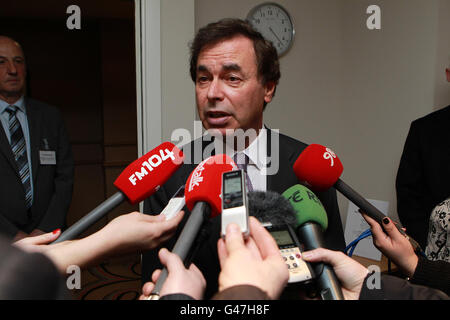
[[144, 176], [205, 182], [318, 167]]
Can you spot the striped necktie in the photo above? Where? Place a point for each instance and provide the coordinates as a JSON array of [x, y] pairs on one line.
[[242, 160], [19, 150]]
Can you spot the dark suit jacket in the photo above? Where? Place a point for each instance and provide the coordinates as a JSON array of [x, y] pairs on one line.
[[207, 258], [52, 184], [424, 172]]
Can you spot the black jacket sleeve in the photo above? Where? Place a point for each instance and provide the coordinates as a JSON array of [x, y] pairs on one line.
[[414, 202], [394, 288], [435, 274]]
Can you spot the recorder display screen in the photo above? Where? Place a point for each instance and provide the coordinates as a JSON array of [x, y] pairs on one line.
[[282, 238], [232, 191]]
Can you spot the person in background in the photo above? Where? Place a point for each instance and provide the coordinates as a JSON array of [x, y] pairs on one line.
[[36, 163], [424, 171], [438, 243]]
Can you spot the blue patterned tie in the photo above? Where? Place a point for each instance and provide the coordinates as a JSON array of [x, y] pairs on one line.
[[19, 150], [242, 160]]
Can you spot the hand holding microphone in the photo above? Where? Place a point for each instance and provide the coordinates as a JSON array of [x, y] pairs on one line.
[[180, 281], [127, 233], [393, 245], [311, 222], [319, 168], [349, 272], [137, 182]]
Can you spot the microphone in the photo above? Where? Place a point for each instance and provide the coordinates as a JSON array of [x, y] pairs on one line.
[[311, 222], [137, 182], [202, 194], [270, 208], [319, 168]]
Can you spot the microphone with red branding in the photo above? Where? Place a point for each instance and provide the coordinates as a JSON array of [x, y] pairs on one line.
[[319, 168], [137, 182], [202, 193]]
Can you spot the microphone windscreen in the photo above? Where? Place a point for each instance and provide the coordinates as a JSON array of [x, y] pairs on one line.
[[147, 174], [271, 207], [318, 167], [307, 206], [205, 182]]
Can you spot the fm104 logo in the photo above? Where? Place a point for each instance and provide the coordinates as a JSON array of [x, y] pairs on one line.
[[153, 162]]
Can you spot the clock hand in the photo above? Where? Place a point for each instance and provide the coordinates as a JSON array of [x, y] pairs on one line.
[[271, 30]]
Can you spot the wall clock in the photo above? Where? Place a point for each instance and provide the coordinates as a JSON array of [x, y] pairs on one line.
[[274, 23]]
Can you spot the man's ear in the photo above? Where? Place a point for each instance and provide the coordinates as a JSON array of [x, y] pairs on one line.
[[447, 72], [269, 91]]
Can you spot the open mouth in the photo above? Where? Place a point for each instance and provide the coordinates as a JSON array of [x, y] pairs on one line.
[[217, 118], [217, 114]]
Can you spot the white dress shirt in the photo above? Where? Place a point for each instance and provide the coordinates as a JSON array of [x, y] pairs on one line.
[[257, 154]]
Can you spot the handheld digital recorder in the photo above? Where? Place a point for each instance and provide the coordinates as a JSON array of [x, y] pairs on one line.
[[234, 201], [290, 248]]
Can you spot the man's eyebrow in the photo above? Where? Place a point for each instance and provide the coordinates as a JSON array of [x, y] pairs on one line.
[[15, 57], [231, 67], [226, 67], [202, 68]]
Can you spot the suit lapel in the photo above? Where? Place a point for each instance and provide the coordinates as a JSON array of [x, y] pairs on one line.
[[285, 176], [34, 120], [5, 148]]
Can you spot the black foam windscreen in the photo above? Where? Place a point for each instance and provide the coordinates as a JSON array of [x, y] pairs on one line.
[[271, 207]]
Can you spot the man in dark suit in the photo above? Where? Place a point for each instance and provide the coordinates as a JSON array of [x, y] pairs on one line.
[[235, 71], [36, 164], [424, 172]]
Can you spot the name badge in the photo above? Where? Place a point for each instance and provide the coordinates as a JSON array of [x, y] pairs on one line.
[[47, 157]]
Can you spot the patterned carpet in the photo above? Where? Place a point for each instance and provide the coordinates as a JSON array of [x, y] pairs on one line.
[[112, 280]]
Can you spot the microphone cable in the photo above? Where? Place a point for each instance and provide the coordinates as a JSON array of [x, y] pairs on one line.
[[351, 247]]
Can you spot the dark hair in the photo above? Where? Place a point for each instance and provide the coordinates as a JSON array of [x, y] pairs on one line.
[[266, 54]]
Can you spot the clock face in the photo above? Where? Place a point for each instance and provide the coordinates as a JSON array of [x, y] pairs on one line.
[[275, 24]]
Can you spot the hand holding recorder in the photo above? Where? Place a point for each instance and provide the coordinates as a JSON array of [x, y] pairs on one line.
[[255, 262]]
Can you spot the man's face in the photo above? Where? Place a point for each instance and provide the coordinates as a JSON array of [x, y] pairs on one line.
[[229, 93], [12, 70]]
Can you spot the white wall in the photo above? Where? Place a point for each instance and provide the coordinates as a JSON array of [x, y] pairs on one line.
[[353, 89], [178, 96], [388, 79], [165, 93]]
